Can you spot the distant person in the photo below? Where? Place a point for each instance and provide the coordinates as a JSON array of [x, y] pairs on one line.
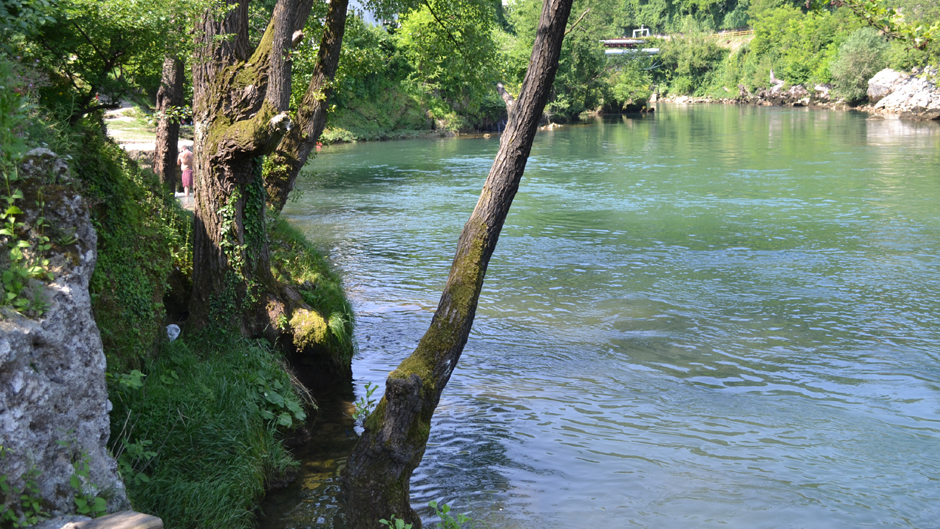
[[185, 161]]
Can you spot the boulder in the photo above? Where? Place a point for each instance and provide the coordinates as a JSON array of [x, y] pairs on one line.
[[53, 396], [883, 83], [912, 97]]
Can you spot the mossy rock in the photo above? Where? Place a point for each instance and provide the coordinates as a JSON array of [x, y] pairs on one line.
[[309, 328]]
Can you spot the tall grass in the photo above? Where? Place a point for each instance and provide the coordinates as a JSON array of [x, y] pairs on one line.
[[202, 407]]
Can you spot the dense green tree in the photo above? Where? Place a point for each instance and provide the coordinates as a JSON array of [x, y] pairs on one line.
[[89, 48], [451, 48], [860, 57], [631, 83]]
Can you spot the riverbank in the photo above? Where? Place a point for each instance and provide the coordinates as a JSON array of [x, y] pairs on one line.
[[891, 94]]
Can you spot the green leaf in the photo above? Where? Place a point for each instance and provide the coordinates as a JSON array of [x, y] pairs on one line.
[[274, 398], [284, 420]]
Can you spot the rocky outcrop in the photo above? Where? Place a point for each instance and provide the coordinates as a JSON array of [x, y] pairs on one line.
[[915, 96], [795, 96], [883, 83], [53, 397]]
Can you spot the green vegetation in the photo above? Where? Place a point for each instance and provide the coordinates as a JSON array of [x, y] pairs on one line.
[[860, 57], [448, 520], [23, 249], [295, 261], [20, 508], [86, 503], [198, 423], [143, 236], [213, 409], [396, 82]]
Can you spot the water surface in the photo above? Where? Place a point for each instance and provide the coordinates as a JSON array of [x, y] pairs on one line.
[[712, 316]]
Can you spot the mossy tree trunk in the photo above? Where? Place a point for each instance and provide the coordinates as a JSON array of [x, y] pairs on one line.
[[377, 475], [240, 115], [292, 153], [169, 95]]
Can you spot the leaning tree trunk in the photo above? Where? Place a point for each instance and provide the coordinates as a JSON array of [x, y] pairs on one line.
[[166, 149], [292, 153], [377, 475]]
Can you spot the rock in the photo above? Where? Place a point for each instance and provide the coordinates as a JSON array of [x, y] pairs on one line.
[[883, 83], [912, 98], [121, 520], [60, 521], [53, 396]]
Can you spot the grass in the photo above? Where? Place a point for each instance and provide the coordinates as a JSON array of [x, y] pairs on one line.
[[202, 407], [296, 261]]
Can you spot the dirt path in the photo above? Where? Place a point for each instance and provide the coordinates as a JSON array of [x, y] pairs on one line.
[[128, 127]]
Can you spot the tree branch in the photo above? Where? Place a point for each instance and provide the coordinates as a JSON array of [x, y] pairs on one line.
[[295, 147], [580, 18], [447, 31]]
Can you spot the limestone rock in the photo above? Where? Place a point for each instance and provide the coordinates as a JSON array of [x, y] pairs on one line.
[[883, 83], [53, 397], [913, 97]]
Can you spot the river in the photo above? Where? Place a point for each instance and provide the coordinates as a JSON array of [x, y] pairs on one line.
[[711, 316]]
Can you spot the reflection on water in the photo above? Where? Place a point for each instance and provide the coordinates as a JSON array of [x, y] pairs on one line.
[[710, 316]]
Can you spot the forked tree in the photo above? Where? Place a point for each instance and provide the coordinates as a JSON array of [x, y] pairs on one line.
[[240, 113], [376, 479]]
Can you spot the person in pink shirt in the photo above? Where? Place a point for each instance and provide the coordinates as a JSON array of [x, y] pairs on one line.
[[185, 161]]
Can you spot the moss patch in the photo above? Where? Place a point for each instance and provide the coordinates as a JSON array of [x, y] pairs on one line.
[[294, 261], [309, 328]]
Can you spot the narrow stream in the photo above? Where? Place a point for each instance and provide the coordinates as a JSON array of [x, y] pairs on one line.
[[712, 316]]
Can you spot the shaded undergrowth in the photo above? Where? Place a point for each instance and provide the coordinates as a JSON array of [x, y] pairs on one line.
[[212, 410]]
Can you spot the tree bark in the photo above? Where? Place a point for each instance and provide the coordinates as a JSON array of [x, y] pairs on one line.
[[166, 149], [294, 150], [506, 96], [236, 124], [377, 476]]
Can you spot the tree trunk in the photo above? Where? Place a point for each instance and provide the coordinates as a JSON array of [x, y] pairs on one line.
[[166, 149], [292, 153], [506, 96], [236, 123], [377, 476], [240, 116]]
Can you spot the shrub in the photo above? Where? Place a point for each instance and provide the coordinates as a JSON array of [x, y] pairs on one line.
[[860, 57], [689, 63]]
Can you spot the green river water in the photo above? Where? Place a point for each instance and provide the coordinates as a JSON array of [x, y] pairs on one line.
[[712, 316]]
